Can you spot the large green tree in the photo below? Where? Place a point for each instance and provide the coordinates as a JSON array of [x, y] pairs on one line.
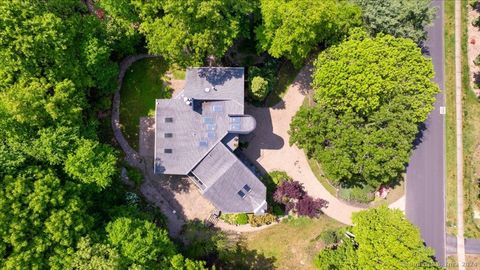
[[383, 239], [56, 69], [187, 32], [292, 28], [400, 18], [42, 218], [371, 95]]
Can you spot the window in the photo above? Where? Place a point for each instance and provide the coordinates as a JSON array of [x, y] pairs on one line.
[[168, 120], [208, 120], [211, 135], [211, 127], [217, 108], [203, 143], [168, 151], [247, 188], [168, 135], [241, 194]]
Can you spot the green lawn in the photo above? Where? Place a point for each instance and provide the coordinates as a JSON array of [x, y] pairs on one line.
[[471, 140], [451, 190], [471, 128], [292, 244], [142, 84]]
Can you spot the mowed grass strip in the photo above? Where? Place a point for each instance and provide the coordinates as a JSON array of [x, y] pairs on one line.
[[142, 84], [471, 139], [451, 190], [293, 243]]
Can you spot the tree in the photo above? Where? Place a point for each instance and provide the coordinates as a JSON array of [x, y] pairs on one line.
[[42, 219], [259, 88], [95, 256], [292, 194], [140, 242], [187, 32], [399, 18], [92, 163], [383, 239], [293, 28], [310, 207], [371, 94]]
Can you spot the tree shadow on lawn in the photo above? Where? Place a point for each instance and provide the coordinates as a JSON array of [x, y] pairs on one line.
[[224, 250]]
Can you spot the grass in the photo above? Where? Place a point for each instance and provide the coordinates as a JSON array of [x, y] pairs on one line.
[[178, 73], [285, 77], [451, 190], [471, 138], [293, 243], [471, 128], [142, 84], [471, 262], [317, 171]]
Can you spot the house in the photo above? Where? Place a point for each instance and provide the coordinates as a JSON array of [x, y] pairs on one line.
[[196, 133]]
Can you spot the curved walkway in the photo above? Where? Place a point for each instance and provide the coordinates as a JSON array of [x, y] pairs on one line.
[[269, 147], [174, 222]]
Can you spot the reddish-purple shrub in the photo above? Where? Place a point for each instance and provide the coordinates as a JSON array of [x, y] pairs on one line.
[[307, 206], [293, 196], [288, 190]]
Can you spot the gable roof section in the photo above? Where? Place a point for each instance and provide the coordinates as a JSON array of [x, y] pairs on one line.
[[225, 175]]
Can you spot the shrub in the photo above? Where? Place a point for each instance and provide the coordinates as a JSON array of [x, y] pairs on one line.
[[134, 175], [357, 194], [279, 177], [288, 190], [256, 221], [473, 4], [476, 22], [307, 206], [476, 61], [293, 196], [241, 219], [330, 237], [259, 88]]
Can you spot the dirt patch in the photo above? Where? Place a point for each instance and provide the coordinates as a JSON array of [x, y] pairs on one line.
[[473, 50], [174, 84]]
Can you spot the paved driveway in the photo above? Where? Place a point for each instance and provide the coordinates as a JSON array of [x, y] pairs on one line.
[[425, 190], [268, 146]]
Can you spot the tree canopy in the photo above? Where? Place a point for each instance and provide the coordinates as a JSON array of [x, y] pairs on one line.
[[399, 18], [371, 95], [58, 71], [187, 32], [383, 239], [292, 28]]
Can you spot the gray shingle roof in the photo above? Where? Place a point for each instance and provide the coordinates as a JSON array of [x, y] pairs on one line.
[[188, 136], [225, 175]]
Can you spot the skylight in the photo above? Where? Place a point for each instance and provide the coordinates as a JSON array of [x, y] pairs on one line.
[[241, 194], [247, 188], [168, 120], [168, 135], [168, 151]]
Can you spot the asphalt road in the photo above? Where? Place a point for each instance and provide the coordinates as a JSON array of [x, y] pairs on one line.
[[472, 246], [425, 188]]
